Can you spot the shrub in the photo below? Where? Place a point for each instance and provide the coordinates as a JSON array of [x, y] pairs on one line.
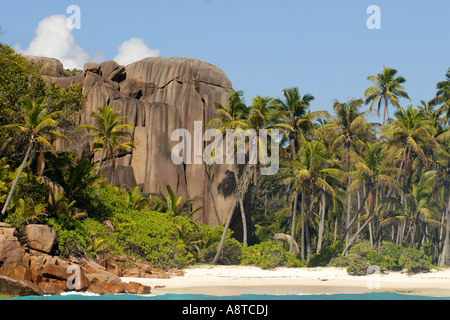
[[70, 234], [150, 235], [388, 257], [268, 255], [208, 243], [414, 260], [322, 259]]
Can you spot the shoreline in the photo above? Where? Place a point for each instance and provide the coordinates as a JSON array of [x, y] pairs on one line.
[[239, 280]]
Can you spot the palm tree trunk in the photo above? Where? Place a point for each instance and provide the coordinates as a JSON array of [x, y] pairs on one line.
[[213, 197], [335, 229], [244, 222], [302, 240], [240, 193], [224, 234], [294, 214], [445, 251], [349, 196], [308, 245], [308, 238], [101, 160], [113, 170], [321, 223], [16, 180], [293, 149]]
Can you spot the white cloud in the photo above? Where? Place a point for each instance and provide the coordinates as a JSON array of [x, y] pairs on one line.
[[55, 40], [134, 50]]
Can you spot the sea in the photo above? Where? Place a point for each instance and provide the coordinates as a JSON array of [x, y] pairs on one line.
[[244, 297]]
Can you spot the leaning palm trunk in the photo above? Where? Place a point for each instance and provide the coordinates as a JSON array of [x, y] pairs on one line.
[[224, 235], [352, 240], [16, 180]]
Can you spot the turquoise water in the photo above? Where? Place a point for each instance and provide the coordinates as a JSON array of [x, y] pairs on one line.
[[365, 296]]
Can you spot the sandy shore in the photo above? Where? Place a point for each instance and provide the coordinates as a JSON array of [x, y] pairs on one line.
[[238, 280]]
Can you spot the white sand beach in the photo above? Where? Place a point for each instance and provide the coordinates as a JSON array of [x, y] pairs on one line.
[[238, 280]]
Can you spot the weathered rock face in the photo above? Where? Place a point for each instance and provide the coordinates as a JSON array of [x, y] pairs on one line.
[[10, 249], [48, 66], [13, 287], [40, 237], [158, 95]]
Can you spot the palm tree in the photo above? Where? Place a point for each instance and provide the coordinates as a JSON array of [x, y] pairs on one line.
[[310, 173], [372, 172], [135, 199], [110, 136], [233, 116], [79, 178], [265, 115], [387, 89], [422, 208], [411, 133], [293, 109], [442, 167], [443, 97], [351, 127], [209, 171], [174, 204], [38, 124]]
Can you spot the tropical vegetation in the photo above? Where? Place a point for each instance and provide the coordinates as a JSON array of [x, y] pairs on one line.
[[349, 192]]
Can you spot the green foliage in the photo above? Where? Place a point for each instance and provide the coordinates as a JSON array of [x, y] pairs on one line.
[[171, 203], [389, 257], [17, 79], [322, 259], [69, 101], [151, 235], [268, 255], [71, 236], [414, 260], [231, 252]]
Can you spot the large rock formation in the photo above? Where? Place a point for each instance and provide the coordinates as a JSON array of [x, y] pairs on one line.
[[158, 95]]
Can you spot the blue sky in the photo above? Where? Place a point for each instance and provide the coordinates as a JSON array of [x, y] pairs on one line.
[[263, 46]]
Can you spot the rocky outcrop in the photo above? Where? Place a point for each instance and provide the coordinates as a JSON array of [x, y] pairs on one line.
[[11, 287], [40, 237], [157, 96], [10, 249], [282, 237], [48, 66], [38, 273]]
